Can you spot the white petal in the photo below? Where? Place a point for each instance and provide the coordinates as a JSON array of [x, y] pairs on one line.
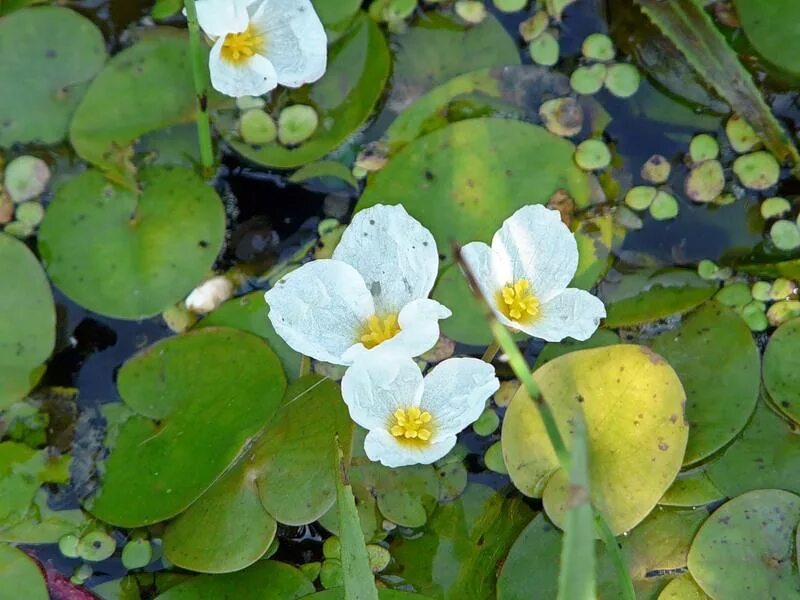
[[220, 17], [419, 331], [394, 253], [478, 257], [319, 309], [456, 391], [297, 44], [574, 313], [539, 247], [377, 385], [380, 445], [253, 77]]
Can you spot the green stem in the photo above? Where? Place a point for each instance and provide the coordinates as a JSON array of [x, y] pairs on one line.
[[490, 353], [201, 85], [623, 576], [521, 369]]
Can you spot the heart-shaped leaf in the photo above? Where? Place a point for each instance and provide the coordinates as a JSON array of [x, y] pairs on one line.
[[633, 404], [194, 402], [126, 254]]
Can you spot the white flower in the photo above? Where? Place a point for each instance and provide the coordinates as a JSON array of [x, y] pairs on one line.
[[411, 419], [372, 293], [525, 273], [209, 295], [259, 44]]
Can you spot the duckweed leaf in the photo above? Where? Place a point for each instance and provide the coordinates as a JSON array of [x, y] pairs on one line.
[[766, 455], [772, 29], [265, 580], [197, 400], [50, 54], [26, 339], [20, 577], [649, 295], [633, 404], [714, 354], [782, 369], [248, 313], [463, 181], [438, 47], [463, 542], [143, 88], [358, 67], [118, 252], [747, 547]]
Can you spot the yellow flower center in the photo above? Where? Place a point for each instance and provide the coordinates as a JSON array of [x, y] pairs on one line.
[[517, 302], [379, 330], [240, 47], [411, 425]]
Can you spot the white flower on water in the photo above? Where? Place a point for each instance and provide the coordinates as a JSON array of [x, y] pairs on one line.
[[259, 44], [209, 295], [411, 419], [525, 273], [372, 294]]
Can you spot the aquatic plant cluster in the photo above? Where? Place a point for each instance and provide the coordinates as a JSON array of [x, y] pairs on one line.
[[397, 299]]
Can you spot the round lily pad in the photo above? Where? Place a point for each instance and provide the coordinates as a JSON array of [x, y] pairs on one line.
[[766, 455], [143, 88], [691, 488], [633, 404], [265, 580], [358, 67], [194, 402], [757, 170], [119, 252], [772, 28], [682, 588], [464, 180], [20, 577], [746, 549], [718, 363], [782, 368], [50, 54], [705, 181], [26, 339]]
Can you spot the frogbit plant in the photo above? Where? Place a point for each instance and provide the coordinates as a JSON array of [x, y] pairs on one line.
[[260, 44], [373, 292], [413, 419], [525, 273]]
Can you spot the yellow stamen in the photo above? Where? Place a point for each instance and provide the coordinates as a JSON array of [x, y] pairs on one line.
[[240, 47], [517, 302], [411, 425], [377, 330]]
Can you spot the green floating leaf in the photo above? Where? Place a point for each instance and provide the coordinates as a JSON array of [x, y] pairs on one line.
[[691, 488], [249, 313], [41, 524], [649, 295], [330, 172], [682, 588], [20, 577], [747, 547], [287, 475], [687, 24], [118, 252], [336, 15], [383, 594], [142, 89], [358, 67], [50, 56], [463, 542], [359, 583], [576, 577], [195, 402], [438, 47], [714, 354], [551, 350], [766, 455], [265, 580], [782, 369], [463, 181], [633, 404], [772, 29], [27, 339]]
